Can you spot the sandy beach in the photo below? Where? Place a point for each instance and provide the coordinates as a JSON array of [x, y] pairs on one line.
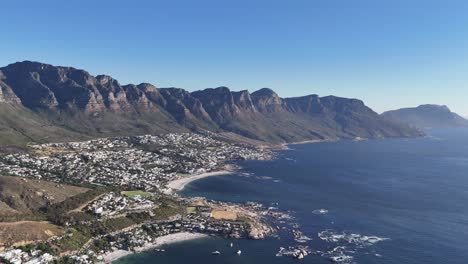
[[164, 240], [179, 184]]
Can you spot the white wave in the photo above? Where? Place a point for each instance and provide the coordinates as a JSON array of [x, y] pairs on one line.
[[342, 259], [354, 239], [347, 244], [303, 239], [246, 174], [339, 254], [263, 177], [320, 211]]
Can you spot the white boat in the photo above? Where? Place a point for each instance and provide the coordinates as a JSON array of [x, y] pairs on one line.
[[239, 252], [216, 253], [232, 244]]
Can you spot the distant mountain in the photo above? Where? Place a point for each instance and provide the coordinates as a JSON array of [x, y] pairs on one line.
[[40, 102], [425, 116]]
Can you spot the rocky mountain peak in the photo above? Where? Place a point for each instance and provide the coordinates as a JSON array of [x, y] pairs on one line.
[[434, 107], [265, 92], [106, 79], [99, 105], [266, 100]]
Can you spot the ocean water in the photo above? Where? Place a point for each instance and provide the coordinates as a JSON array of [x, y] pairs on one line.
[[385, 201]]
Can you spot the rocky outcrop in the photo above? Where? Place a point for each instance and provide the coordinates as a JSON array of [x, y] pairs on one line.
[[266, 100]]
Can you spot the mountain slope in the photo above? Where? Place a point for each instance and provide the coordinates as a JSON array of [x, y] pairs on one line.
[[423, 116], [20, 195], [64, 103]]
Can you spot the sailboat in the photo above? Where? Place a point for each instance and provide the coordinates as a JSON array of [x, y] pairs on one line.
[[239, 252]]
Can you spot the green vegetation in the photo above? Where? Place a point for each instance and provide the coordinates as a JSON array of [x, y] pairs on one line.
[[77, 217], [140, 217], [167, 210], [22, 217], [57, 213], [44, 247], [74, 241], [119, 223], [131, 194], [27, 248], [191, 210], [101, 244]]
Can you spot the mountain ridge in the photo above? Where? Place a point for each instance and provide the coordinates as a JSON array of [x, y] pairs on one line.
[[427, 116], [75, 101]]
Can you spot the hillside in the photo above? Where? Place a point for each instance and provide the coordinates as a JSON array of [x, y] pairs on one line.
[[26, 232], [427, 116], [22, 196], [41, 103]]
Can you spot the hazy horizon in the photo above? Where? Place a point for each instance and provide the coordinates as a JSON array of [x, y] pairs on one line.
[[390, 55]]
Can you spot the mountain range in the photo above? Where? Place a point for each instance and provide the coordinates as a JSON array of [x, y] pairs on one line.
[[427, 116], [42, 103]]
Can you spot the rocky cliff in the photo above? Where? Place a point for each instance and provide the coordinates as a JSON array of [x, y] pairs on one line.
[[63, 103]]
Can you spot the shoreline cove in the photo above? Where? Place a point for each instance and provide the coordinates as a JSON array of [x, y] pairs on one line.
[[158, 242], [180, 183]]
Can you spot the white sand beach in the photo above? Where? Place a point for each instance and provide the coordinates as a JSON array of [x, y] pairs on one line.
[[179, 184], [164, 240]]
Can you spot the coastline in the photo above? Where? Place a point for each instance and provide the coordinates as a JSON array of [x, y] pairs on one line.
[[285, 146], [309, 141], [160, 241], [180, 183]]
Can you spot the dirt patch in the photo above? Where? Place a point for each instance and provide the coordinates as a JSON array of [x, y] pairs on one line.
[[25, 232], [223, 215]]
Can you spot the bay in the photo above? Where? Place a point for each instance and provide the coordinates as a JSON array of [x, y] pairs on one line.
[[384, 201]]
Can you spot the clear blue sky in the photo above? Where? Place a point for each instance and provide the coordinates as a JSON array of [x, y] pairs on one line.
[[391, 54]]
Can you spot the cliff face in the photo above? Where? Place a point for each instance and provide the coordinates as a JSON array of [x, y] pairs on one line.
[[74, 100]]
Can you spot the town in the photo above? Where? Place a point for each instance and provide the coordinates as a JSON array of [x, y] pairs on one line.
[[127, 206], [140, 162], [131, 228]]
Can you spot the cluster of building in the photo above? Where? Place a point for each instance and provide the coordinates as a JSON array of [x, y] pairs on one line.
[[141, 162], [255, 214], [199, 216], [147, 233], [18, 256], [144, 163], [111, 204]]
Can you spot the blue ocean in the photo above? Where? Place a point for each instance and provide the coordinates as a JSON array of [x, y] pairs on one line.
[[387, 201]]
